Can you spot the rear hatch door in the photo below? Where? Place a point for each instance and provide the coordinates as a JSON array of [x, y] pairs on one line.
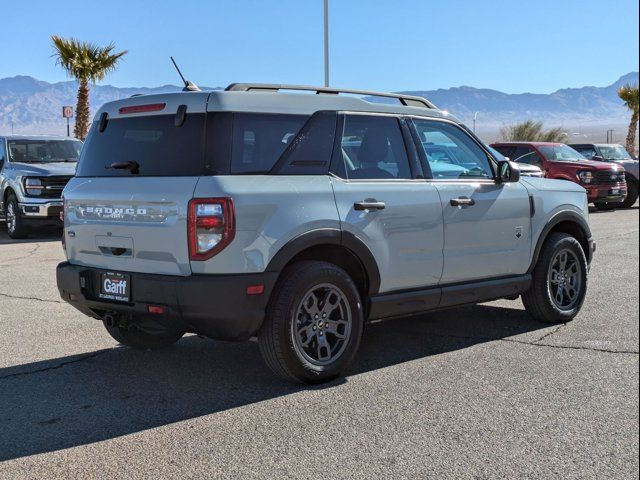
[[126, 210]]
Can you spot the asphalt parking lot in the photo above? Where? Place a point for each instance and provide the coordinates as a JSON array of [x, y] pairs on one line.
[[478, 392]]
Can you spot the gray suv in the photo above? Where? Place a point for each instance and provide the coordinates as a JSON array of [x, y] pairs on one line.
[[298, 217], [34, 170]]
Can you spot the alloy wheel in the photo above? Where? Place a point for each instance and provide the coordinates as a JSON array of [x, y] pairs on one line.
[[321, 326], [565, 279], [11, 218]]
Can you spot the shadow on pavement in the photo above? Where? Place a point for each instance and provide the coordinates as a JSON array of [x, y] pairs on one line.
[[44, 234], [81, 399]]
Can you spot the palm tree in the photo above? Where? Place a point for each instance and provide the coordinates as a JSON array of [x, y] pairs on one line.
[[629, 94], [531, 131], [86, 62]]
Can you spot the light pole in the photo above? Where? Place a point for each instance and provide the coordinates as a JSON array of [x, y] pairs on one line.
[[326, 43], [610, 135], [475, 117]]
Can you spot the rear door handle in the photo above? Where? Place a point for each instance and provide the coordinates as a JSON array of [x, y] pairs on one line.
[[462, 202], [369, 204]]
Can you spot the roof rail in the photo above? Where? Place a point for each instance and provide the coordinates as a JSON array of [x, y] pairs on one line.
[[407, 100]]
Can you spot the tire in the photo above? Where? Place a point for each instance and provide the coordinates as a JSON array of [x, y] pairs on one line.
[[606, 205], [139, 340], [312, 341], [542, 298], [632, 194], [15, 224]]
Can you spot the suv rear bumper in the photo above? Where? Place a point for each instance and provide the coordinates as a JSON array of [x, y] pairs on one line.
[[215, 306]]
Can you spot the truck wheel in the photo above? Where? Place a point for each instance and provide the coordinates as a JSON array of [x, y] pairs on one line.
[[632, 194], [15, 225], [135, 338], [559, 283], [313, 325], [606, 205]]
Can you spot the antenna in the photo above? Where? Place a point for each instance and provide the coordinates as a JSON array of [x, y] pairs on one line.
[[188, 86]]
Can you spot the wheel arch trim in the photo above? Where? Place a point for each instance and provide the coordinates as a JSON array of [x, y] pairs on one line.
[[334, 237], [554, 221]]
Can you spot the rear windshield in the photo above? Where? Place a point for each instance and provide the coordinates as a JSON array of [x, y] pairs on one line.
[[155, 143]]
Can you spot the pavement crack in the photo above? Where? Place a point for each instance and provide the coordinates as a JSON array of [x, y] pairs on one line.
[[58, 366], [552, 332], [537, 344], [22, 257], [18, 297]]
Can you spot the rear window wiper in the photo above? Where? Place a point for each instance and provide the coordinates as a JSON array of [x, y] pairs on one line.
[[132, 166]]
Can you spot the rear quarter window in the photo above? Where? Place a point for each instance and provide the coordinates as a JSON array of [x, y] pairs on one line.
[[259, 139], [158, 146]]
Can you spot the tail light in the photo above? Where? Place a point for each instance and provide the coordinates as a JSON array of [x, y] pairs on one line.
[[211, 223]]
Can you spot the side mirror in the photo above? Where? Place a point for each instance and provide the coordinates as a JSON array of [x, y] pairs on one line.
[[597, 158], [508, 172]]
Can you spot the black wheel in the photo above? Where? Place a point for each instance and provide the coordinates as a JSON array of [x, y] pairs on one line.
[[606, 205], [133, 337], [559, 281], [313, 325], [632, 194], [15, 225]]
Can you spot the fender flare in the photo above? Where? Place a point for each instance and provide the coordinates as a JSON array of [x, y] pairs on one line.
[[329, 236], [563, 216]]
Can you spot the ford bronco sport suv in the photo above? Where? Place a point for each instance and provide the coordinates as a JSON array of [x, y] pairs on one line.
[[297, 217], [605, 183], [33, 172], [614, 153]]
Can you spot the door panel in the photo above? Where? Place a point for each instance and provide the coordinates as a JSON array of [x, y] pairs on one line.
[[405, 237], [492, 237]]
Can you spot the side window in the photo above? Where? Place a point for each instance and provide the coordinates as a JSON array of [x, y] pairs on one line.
[[588, 152], [372, 147], [1, 152], [260, 139], [450, 152], [310, 152]]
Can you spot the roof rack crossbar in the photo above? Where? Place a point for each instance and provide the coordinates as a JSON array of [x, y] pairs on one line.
[[407, 100]]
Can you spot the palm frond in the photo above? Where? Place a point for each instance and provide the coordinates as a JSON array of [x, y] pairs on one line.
[[84, 60]]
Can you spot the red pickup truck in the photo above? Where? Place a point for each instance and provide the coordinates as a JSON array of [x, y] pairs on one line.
[[605, 182]]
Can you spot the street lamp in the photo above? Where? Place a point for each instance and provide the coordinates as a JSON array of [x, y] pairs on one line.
[[610, 135], [475, 117], [326, 43]]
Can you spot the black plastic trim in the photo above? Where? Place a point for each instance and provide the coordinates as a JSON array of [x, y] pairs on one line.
[[329, 236], [566, 216], [215, 306], [409, 302]]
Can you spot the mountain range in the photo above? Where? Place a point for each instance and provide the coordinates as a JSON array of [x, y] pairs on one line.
[[28, 105]]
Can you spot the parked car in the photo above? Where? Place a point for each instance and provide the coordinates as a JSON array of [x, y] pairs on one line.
[[34, 170], [526, 169], [605, 183], [612, 152], [296, 218]]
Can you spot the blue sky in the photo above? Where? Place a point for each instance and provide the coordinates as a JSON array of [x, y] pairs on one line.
[[513, 46]]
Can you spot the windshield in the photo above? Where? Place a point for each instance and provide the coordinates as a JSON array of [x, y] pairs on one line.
[[614, 152], [496, 154], [560, 153], [44, 151]]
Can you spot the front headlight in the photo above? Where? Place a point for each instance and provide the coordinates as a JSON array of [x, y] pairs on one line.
[[33, 186], [585, 176]]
